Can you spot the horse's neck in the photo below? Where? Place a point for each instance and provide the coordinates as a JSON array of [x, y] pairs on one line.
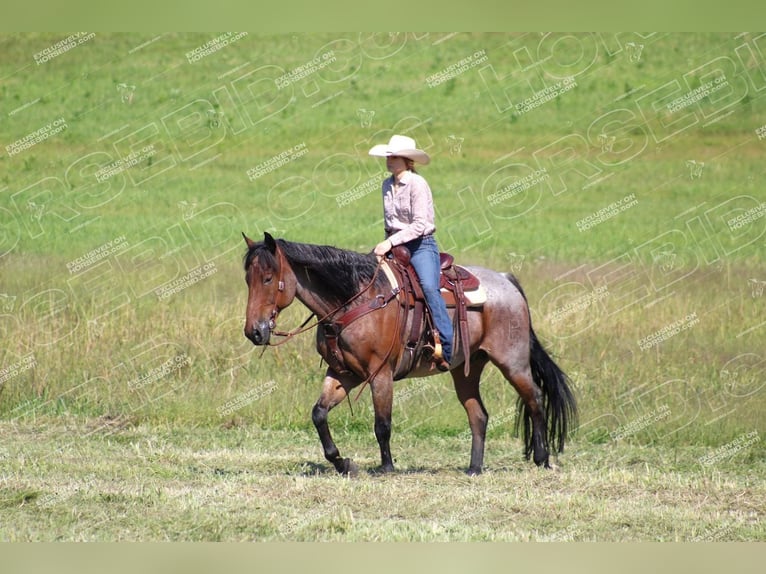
[[308, 292]]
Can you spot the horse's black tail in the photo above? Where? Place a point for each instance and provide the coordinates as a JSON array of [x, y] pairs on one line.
[[558, 401]]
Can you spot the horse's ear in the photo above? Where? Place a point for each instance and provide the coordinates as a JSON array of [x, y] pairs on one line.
[[270, 242], [249, 241]]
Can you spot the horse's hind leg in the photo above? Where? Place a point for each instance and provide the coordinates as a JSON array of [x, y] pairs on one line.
[[531, 396], [334, 391], [467, 389]]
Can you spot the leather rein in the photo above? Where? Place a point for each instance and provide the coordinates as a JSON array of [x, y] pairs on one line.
[[351, 315], [333, 328]]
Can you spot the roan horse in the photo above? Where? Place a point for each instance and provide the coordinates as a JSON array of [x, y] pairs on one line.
[[330, 281]]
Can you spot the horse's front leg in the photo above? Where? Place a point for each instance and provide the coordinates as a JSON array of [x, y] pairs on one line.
[[334, 391], [382, 400]]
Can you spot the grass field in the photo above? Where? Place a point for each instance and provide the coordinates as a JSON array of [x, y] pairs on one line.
[[142, 482], [620, 177]]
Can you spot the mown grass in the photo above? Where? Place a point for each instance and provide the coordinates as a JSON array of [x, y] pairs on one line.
[[111, 480], [102, 344]]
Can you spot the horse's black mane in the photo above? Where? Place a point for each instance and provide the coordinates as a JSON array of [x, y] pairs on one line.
[[340, 272]]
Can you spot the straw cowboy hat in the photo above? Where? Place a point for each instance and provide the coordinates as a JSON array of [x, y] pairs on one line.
[[402, 146]]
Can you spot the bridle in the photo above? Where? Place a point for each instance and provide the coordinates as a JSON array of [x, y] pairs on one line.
[[380, 300], [281, 262]]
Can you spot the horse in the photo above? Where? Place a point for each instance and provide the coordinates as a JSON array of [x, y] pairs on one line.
[[330, 281]]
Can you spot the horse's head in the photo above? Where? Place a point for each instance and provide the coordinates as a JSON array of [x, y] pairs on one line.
[[271, 287]]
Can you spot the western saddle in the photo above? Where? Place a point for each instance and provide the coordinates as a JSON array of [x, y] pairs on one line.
[[422, 336], [456, 284]]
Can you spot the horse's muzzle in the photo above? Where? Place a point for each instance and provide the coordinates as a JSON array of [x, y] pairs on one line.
[[259, 333]]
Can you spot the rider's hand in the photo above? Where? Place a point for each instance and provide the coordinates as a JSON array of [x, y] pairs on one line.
[[382, 248]]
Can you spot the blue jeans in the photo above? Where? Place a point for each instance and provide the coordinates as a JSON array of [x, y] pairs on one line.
[[425, 259]]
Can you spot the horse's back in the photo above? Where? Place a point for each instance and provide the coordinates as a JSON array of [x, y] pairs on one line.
[[503, 290]]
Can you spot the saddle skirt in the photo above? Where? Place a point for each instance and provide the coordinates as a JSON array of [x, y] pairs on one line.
[[475, 294], [460, 290]]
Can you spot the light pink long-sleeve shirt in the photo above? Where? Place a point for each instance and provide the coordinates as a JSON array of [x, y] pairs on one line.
[[408, 208]]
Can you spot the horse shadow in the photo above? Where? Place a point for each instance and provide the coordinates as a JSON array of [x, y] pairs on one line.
[[309, 469]]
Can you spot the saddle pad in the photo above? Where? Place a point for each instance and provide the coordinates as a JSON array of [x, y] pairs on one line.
[[390, 275], [473, 298], [476, 297]]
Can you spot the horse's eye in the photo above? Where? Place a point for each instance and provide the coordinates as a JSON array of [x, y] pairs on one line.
[[267, 279]]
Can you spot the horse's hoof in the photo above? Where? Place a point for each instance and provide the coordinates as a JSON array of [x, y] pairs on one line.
[[473, 471], [541, 459], [543, 463], [349, 468]]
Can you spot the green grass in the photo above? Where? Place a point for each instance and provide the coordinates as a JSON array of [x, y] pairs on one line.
[[113, 480], [83, 346]]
